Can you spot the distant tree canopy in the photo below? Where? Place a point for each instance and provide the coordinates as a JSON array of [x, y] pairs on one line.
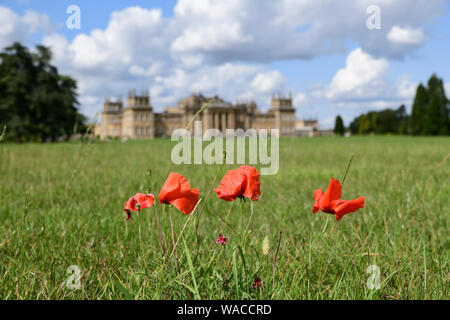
[[339, 128], [36, 103], [379, 122], [429, 114]]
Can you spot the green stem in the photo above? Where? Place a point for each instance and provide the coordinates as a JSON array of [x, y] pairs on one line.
[[242, 221], [326, 224], [248, 223], [160, 233]]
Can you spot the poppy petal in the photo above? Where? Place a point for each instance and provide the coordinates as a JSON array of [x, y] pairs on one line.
[[333, 192], [145, 200], [187, 203], [130, 204], [252, 184], [348, 206], [177, 191], [243, 181], [318, 194], [171, 188], [230, 187]]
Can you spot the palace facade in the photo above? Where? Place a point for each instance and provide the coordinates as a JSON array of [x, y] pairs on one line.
[[137, 120]]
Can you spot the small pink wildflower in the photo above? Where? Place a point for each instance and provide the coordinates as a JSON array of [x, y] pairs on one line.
[[221, 239]]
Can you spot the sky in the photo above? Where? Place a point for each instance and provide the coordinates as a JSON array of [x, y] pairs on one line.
[[334, 57]]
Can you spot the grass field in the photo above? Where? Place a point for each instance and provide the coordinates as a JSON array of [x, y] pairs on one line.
[[62, 205]]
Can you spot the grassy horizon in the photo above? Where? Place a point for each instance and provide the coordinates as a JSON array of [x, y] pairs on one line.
[[62, 205]]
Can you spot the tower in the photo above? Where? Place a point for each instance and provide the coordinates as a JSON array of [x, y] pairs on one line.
[[111, 118], [284, 114], [138, 118]]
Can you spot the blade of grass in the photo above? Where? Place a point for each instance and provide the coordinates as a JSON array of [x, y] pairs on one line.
[[235, 272], [191, 267]]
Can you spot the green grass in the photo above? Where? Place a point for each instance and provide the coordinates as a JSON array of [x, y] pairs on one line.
[[61, 205]]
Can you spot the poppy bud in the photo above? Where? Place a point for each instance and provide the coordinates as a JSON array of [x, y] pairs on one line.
[[266, 245], [149, 172]]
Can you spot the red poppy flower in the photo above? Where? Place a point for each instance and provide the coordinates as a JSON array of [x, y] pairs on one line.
[[221, 239], [138, 202], [177, 191], [240, 182], [330, 201]]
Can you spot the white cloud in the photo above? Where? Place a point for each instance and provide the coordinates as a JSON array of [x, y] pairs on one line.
[[134, 36], [299, 99], [219, 27], [363, 85], [359, 78], [152, 70], [406, 89], [406, 36], [15, 28], [36, 21], [267, 82], [246, 30]]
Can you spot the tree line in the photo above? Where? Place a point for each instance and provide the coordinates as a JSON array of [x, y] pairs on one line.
[[36, 102], [429, 115]]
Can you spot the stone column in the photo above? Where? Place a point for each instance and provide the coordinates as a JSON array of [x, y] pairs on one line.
[[224, 122], [210, 121], [191, 129], [205, 119], [232, 122], [247, 121], [216, 120]]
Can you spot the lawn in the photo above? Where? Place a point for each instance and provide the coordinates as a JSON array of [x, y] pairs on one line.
[[62, 205]]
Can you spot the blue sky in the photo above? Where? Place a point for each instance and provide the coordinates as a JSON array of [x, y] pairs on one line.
[[321, 52]]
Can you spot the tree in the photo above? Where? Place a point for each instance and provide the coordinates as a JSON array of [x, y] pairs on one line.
[[436, 89], [429, 114], [403, 118], [418, 111], [36, 102], [364, 125], [354, 125], [432, 119], [339, 128]]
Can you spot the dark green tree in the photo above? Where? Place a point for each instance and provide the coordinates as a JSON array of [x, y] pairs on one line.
[[429, 114], [436, 89], [432, 119], [381, 122], [354, 125], [418, 112], [36, 102], [403, 119], [339, 128]]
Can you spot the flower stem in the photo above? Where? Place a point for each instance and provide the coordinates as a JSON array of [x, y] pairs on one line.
[[326, 224], [242, 221], [173, 241], [161, 236]]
